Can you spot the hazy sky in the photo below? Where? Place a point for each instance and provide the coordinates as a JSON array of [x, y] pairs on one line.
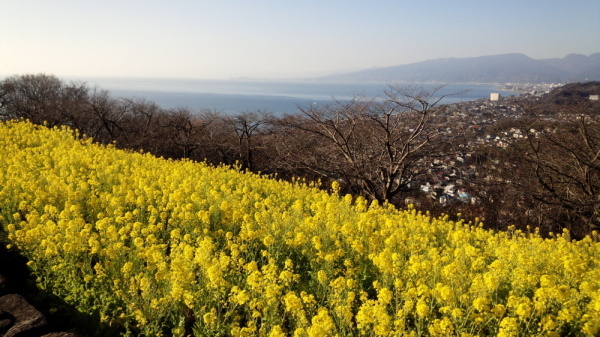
[[279, 39]]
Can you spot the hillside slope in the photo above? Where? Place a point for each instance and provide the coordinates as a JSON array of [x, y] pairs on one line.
[[161, 247], [507, 68]]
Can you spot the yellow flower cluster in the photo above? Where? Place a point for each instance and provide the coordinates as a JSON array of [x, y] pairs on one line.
[[156, 245]]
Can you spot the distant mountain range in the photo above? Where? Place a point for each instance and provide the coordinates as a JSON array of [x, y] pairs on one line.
[[506, 68]]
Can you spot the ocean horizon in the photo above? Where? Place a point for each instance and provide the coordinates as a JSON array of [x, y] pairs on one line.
[[277, 97]]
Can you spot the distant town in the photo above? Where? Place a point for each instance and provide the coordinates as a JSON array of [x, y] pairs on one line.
[[484, 122], [530, 88]]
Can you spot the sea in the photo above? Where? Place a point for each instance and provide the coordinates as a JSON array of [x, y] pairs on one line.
[[275, 96]]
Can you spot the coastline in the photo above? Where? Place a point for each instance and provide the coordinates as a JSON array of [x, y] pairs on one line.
[[529, 88]]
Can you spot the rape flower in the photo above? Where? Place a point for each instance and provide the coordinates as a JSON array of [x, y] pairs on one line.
[[481, 304], [322, 277], [292, 302], [268, 240], [247, 255], [385, 295], [508, 327], [322, 324], [422, 308], [210, 318], [277, 331]]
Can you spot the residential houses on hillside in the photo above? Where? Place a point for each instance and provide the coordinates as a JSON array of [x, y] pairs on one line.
[[481, 122]]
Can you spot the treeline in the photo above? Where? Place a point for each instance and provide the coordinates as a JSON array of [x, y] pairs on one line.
[[548, 175], [382, 148]]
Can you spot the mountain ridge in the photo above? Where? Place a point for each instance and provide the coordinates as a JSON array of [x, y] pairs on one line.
[[501, 68]]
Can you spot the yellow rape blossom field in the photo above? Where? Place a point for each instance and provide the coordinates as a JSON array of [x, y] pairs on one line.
[[162, 247]]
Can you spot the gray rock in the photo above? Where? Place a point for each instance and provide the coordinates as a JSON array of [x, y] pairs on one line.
[[5, 321], [27, 319], [61, 334]]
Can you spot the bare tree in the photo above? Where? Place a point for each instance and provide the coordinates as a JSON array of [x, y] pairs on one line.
[[563, 154], [246, 126], [182, 132], [33, 97], [71, 105], [217, 138], [139, 121], [377, 146], [550, 178], [107, 116]]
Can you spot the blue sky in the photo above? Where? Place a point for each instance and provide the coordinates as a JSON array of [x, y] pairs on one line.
[[279, 39]]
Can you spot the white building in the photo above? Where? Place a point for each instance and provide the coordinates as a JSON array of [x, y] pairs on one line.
[[494, 96]]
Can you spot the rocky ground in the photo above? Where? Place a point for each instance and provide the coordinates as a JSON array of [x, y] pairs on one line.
[[18, 316]]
